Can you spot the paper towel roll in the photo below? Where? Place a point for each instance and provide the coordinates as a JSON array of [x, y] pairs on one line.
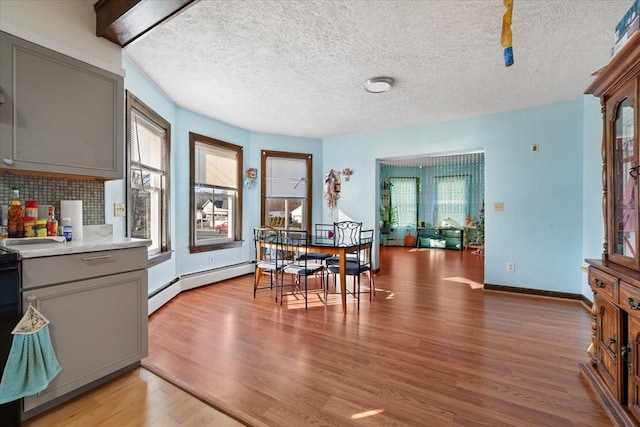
[[72, 209]]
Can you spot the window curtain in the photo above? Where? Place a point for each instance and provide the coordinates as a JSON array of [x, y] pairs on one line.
[[467, 170], [404, 199], [452, 198], [286, 178], [147, 154]]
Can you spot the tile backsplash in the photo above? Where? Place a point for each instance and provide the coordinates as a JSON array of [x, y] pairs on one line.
[[49, 191]]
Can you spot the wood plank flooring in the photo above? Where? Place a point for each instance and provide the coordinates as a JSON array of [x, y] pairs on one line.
[[138, 398], [432, 349]]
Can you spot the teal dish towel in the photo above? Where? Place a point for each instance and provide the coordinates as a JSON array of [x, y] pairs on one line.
[[31, 365]]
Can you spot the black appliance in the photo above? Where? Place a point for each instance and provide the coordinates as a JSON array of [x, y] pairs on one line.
[[10, 314]]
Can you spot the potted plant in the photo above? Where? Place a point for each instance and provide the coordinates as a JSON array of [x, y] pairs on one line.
[[409, 238], [387, 218]]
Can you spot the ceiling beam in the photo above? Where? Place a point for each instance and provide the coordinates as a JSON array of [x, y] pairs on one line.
[[123, 21]]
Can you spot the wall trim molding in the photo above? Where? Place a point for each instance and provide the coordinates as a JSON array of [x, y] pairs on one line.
[[536, 292], [166, 293]]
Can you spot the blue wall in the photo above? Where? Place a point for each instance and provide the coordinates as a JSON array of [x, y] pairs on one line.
[[540, 230], [182, 122]]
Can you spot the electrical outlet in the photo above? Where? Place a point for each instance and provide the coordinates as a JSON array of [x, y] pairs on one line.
[[511, 266], [211, 259], [498, 206], [119, 209]]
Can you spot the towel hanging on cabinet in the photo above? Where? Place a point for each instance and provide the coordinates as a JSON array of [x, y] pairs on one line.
[[32, 363]]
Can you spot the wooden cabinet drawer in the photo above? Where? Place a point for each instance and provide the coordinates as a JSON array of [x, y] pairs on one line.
[[70, 268], [604, 284], [630, 299]]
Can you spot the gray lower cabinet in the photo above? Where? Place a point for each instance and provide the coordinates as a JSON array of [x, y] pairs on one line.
[[98, 325], [58, 115]]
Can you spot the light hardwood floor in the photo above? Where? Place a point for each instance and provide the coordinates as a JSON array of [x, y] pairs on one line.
[[432, 349], [138, 398]]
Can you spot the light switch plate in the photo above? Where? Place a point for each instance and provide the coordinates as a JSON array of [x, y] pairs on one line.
[[119, 209], [498, 206]]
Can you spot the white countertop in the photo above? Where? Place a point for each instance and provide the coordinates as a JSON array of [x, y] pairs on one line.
[[36, 250], [97, 239]]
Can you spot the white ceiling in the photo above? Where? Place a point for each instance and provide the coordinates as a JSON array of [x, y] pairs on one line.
[[298, 67]]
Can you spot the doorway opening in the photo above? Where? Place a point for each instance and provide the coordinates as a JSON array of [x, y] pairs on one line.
[[433, 201]]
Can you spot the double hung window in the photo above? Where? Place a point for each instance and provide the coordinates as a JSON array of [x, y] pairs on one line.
[[286, 190], [216, 194], [148, 139]]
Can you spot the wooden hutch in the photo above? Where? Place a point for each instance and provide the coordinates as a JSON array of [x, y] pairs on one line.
[[614, 369]]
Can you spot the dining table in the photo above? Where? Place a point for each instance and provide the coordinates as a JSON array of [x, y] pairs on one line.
[[323, 245]]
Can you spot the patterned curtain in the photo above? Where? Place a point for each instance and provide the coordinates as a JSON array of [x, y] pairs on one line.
[[447, 186], [404, 197], [452, 199]]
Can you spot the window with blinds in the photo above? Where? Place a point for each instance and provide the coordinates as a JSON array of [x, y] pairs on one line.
[[148, 139], [216, 193], [286, 197]]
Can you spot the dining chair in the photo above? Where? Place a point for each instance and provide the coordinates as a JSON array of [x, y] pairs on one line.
[[268, 257], [357, 265], [323, 235], [345, 233], [301, 266]]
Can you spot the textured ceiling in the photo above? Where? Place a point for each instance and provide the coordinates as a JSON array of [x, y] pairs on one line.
[[298, 67]]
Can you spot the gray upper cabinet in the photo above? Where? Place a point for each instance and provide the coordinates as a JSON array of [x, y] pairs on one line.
[[58, 115]]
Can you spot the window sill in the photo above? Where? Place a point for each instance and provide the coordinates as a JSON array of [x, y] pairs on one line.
[[158, 258], [206, 248]]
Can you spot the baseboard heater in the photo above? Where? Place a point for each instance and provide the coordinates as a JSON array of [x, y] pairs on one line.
[[195, 280], [201, 278]]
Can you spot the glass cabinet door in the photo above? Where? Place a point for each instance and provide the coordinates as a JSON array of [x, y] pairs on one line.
[[623, 243]]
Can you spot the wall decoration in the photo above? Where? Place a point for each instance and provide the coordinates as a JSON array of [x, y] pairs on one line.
[[332, 188], [250, 178], [347, 174], [506, 38]]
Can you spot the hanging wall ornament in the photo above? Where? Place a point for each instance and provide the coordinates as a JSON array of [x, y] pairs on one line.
[[332, 188], [250, 178], [506, 34]]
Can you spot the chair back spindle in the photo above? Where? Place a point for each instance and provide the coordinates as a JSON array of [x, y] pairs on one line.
[[347, 233]]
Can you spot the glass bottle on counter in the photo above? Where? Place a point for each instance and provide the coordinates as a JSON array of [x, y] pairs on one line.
[[15, 214], [52, 222]]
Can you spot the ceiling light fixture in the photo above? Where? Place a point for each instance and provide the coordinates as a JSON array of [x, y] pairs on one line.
[[378, 84]]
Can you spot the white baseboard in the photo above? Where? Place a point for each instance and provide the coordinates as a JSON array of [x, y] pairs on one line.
[[195, 280], [163, 297]]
